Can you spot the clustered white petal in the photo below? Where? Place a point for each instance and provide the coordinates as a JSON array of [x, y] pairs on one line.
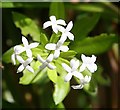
[[88, 62], [57, 48], [18, 49], [46, 63], [74, 69]]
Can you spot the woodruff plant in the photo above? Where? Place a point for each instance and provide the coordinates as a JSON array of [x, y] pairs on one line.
[[23, 54]]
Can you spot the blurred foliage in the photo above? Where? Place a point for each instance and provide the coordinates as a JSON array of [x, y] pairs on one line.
[[95, 30]]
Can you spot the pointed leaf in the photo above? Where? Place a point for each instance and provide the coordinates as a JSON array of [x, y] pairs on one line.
[[95, 45], [61, 90], [27, 26]]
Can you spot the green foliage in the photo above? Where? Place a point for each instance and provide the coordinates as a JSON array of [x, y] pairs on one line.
[[68, 54], [61, 90], [29, 77], [95, 45], [43, 39], [52, 74], [57, 9], [27, 26], [7, 56], [84, 24]]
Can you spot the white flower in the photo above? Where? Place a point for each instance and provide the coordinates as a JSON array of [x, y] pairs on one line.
[[46, 63], [24, 64], [66, 33], [18, 49], [83, 81], [57, 47], [72, 70], [56, 24], [28, 47], [88, 62]]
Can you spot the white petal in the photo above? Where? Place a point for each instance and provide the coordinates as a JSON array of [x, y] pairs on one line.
[[83, 57], [28, 61], [87, 79], [24, 41], [53, 18], [75, 65], [66, 67], [82, 67], [40, 59], [20, 69], [68, 77], [61, 22], [69, 26], [70, 36], [44, 65], [54, 28], [60, 28], [56, 54], [50, 46], [13, 59], [29, 68], [29, 53], [93, 58], [20, 59], [19, 49], [63, 38], [64, 48], [33, 45], [72, 62], [78, 75], [77, 86], [51, 66], [49, 58], [92, 67], [47, 24]]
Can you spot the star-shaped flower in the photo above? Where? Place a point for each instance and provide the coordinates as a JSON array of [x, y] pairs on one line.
[[24, 64], [66, 33], [56, 24], [46, 63], [28, 47], [72, 70], [57, 47], [89, 63], [83, 81], [18, 49]]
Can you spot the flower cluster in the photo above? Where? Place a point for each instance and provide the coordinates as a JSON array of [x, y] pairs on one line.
[[74, 69]]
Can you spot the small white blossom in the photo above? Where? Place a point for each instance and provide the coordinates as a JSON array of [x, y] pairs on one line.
[[72, 70], [66, 33], [56, 24], [24, 64], [46, 63], [83, 81], [89, 63], [57, 47], [18, 49], [28, 47]]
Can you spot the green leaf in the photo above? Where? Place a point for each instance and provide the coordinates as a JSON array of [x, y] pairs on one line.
[[28, 77], [57, 9], [27, 26], [95, 45], [43, 39], [61, 90], [54, 38], [83, 25], [68, 54], [7, 55], [52, 74]]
